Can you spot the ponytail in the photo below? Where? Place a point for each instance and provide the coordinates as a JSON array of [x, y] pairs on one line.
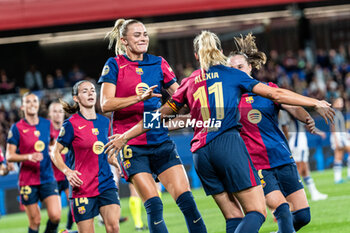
[[247, 48], [70, 109], [208, 48], [75, 107], [119, 30]]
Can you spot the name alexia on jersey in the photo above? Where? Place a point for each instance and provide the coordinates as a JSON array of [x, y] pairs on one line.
[[207, 76]]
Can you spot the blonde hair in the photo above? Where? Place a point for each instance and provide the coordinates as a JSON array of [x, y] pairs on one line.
[[247, 48], [207, 46], [119, 30]]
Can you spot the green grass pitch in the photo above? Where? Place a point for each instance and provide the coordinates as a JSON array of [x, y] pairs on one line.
[[331, 215]]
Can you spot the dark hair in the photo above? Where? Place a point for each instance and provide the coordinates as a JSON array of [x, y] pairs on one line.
[[75, 107], [247, 48]]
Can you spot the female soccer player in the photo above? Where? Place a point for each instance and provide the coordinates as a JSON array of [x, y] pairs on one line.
[[56, 116], [220, 156], [28, 143], [266, 144], [93, 189], [339, 141], [128, 81]]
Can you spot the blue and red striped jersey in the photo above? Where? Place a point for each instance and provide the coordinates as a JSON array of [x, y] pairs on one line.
[[59, 176], [29, 139], [212, 98], [266, 144], [85, 140], [133, 78]]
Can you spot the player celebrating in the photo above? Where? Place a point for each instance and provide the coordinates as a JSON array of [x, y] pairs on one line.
[[28, 143], [127, 84], [267, 145], [93, 188], [213, 92], [56, 116]]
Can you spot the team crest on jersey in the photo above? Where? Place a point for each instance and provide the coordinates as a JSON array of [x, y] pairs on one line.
[[98, 147], [95, 131], [126, 164], [81, 210], [105, 70], [139, 71], [254, 116], [64, 151], [141, 88], [39, 146], [249, 99], [37, 133], [62, 132]]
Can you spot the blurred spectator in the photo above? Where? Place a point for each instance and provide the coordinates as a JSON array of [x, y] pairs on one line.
[[6, 86], [75, 75], [33, 79], [49, 82], [60, 80]]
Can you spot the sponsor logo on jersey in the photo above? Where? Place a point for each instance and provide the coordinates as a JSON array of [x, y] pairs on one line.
[[25, 130], [249, 99], [65, 150], [254, 116], [98, 147], [95, 131], [141, 88], [139, 71], [81, 127], [10, 134], [39, 146]]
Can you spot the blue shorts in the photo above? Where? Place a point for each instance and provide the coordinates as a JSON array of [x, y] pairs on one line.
[[84, 208], [153, 159], [31, 194], [62, 185], [284, 178], [225, 165]]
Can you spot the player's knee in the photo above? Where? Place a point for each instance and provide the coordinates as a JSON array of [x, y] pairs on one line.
[[55, 218], [112, 228], [35, 221], [301, 218]]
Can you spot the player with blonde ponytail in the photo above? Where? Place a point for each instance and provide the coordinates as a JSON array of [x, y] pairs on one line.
[[128, 82]]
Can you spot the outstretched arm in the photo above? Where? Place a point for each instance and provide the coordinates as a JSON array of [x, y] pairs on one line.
[[284, 96], [117, 142], [111, 103]]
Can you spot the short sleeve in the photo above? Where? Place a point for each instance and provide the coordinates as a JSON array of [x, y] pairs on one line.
[[168, 74], [178, 100], [109, 72], [246, 82], [13, 136], [66, 135]]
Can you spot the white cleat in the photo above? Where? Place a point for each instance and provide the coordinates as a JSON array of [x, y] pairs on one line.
[[319, 196]]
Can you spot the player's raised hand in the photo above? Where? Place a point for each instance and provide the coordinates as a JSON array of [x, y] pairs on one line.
[[325, 110], [149, 94]]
